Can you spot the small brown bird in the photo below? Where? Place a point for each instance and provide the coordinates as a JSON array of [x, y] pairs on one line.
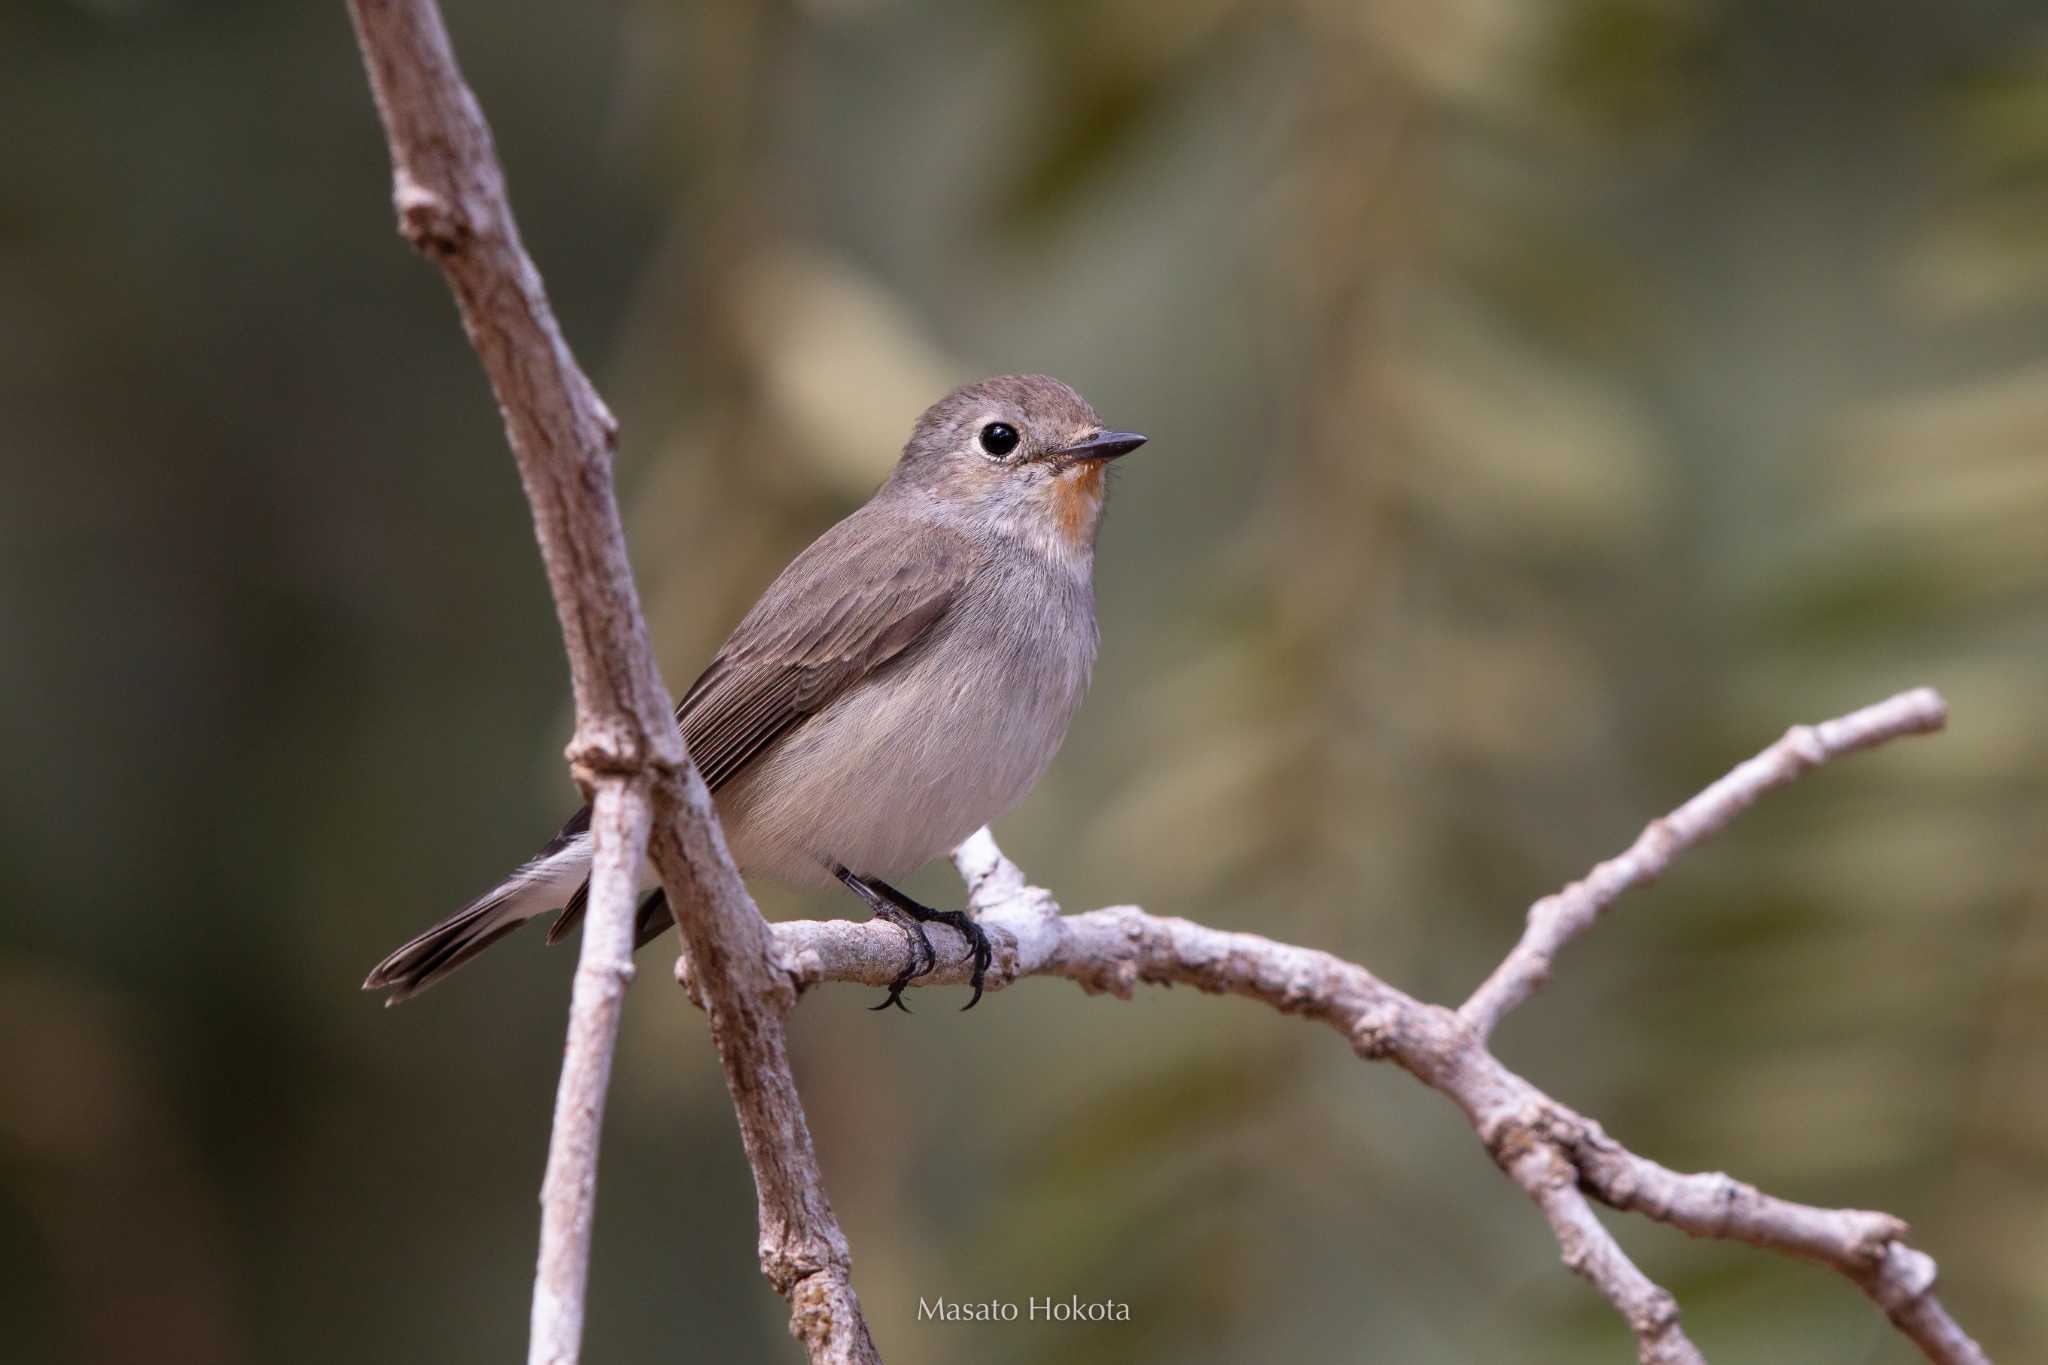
[[905, 681]]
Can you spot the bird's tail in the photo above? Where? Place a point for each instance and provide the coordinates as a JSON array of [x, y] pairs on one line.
[[544, 883]]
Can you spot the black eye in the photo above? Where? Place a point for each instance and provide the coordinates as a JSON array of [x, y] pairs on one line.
[[999, 438]]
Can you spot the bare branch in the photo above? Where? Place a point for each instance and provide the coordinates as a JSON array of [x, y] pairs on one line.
[[1869, 1248], [1556, 920], [736, 976], [1590, 1250], [450, 195], [568, 1192], [1552, 1153], [452, 206]]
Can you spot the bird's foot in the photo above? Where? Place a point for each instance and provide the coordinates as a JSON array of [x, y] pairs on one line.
[[910, 916], [922, 958], [977, 943]]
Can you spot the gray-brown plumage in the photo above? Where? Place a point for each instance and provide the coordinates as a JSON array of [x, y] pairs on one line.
[[904, 681]]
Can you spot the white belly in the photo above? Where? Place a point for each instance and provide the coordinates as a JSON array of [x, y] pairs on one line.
[[911, 761]]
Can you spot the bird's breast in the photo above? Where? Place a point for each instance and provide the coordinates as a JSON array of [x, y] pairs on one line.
[[932, 746]]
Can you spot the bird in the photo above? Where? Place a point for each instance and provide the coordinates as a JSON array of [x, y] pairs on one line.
[[906, 680]]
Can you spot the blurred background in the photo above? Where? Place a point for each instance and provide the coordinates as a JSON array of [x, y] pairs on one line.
[[1550, 403]]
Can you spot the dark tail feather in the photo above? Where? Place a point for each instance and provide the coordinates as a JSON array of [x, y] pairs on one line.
[[422, 961], [650, 924], [535, 888]]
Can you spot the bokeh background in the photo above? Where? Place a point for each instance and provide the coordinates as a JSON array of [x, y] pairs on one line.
[[1550, 402]]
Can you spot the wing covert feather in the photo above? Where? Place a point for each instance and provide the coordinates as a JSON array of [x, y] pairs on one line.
[[858, 598]]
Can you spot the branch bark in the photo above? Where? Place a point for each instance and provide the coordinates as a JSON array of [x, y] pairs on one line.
[[627, 752], [1555, 1155], [604, 967]]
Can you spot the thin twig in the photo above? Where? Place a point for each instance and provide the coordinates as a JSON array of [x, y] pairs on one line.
[[627, 752], [568, 1192], [1590, 1250], [1556, 920]]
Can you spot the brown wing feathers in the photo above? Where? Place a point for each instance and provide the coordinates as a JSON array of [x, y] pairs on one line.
[[807, 640], [811, 637]]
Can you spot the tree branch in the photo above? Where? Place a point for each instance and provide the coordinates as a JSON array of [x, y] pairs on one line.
[[1590, 1250], [1556, 920], [738, 980], [1554, 1154], [568, 1191], [627, 752]]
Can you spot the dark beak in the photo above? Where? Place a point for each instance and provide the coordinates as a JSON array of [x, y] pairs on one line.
[[1103, 445]]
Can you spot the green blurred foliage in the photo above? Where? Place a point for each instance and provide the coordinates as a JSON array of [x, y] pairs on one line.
[[1550, 402]]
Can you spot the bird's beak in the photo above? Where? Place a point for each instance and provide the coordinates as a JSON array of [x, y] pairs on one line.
[[1103, 445]]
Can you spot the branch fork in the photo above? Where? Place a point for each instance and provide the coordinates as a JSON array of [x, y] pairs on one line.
[[1561, 1159]]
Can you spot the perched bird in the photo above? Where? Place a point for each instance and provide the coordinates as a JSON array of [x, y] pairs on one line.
[[902, 683]]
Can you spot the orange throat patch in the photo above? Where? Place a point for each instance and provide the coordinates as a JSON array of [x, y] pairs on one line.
[[1077, 502]]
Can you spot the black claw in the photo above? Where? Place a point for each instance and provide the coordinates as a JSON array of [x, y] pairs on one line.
[[906, 914], [910, 972], [983, 952], [922, 956]]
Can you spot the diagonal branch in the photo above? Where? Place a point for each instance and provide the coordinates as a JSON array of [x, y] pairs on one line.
[[627, 752], [1590, 1250], [1556, 920], [1557, 1156]]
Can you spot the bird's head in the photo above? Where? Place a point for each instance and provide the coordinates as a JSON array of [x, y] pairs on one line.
[[1022, 454]]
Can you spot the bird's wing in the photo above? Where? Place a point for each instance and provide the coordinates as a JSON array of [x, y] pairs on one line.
[[860, 596]]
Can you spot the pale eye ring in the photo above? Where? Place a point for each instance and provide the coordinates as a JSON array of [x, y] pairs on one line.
[[999, 439]]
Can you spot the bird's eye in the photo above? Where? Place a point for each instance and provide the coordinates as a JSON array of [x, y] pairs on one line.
[[999, 438]]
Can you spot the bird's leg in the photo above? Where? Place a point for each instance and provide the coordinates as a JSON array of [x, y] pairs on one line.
[[922, 958], [977, 941]]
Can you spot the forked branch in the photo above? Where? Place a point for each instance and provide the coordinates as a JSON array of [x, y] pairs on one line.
[[1553, 1154], [627, 753]]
